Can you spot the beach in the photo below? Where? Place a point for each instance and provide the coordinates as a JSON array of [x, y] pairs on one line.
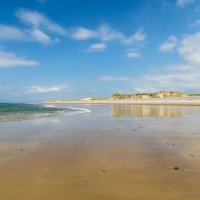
[[188, 101], [112, 152]]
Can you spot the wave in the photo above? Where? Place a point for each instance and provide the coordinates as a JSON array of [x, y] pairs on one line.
[[17, 112], [79, 110]]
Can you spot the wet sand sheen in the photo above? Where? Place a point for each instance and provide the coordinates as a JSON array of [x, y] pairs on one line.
[[102, 158]]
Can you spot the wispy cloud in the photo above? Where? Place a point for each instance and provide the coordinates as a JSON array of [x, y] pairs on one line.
[[40, 89], [39, 28], [175, 77], [138, 36], [115, 78], [103, 33], [8, 59], [98, 47], [133, 53], [195, 24], [82, 34], [40, 36], [106, 33], [11, 33], [183, 3], [169, 44], [189, 48], [38, 20], [183, 77]]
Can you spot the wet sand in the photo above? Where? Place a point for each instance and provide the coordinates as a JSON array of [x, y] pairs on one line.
[[114, 152]]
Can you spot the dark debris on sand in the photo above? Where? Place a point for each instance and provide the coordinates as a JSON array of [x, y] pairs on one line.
[[176, 168]]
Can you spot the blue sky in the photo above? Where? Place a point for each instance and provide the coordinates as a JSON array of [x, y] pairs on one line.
[[56, 49]]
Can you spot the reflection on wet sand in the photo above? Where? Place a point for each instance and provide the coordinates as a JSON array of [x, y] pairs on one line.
[[148, 111], [96, 156]]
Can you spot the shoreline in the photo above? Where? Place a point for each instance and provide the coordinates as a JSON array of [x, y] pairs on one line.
[[186, 101]]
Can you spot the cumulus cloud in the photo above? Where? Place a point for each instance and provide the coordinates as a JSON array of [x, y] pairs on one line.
[[183, 3], [8, 59], [115, 78], [182, 77], [98, 47], [169, 44]]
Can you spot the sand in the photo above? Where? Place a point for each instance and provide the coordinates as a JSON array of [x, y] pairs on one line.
[[113, 153], [187, 101]]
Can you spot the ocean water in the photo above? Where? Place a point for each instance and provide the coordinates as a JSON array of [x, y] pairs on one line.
[[20, 111]]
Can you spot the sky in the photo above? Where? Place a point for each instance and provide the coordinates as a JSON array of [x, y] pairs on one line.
[[59, 49]]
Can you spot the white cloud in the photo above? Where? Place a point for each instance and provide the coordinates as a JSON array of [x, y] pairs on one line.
[[139, 36], [98, 47], [115, 78], [8, 59], [183, 3], [133, 53], [83, 34], [40, 36], [169, 44], [106, 33], [182, 77], [41, 90], [39, 28], [38, 20], [103, 33], [11, 33], [189, 48]]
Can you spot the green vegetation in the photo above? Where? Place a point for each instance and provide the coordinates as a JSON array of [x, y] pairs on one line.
[[118, 96], [193, 95], [161, 94]]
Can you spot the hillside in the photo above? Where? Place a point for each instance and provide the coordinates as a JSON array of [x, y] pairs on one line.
[[161, 94]]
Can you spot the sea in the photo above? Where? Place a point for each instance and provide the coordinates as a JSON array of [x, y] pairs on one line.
[[22, 111]]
